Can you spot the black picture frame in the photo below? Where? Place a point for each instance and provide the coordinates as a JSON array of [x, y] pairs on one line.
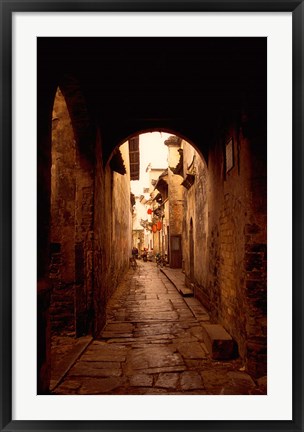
[[8, 7]]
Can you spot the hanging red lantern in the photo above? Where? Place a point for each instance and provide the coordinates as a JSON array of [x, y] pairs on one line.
[[159, 225], [154, 228], [149, 211]]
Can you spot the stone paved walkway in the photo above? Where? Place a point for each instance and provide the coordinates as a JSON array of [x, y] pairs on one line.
[[153, 344]]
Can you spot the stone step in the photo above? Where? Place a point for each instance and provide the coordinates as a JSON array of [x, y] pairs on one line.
[[218, 341], [177, 280], [197, 309]]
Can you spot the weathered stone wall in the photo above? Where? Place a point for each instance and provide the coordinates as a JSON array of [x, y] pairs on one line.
[[112, 232], [176, 204], [195, 209], [256, 257], [175, 189], [229, 208], [121, 241], [71, 226], [225, 213], [138, 239], [236, 286], [63, 189], [102, 222], [84, 244]]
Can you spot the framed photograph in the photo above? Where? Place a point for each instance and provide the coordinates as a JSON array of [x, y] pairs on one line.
[[82, 81]]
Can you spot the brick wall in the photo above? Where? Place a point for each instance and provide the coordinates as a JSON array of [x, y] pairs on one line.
[[237, 246], [228, 213]]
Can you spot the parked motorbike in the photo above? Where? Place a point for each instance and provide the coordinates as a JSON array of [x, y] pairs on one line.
[[160, 260], [144, 256]]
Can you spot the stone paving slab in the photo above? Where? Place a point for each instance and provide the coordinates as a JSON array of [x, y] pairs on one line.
[[96, 369], [191, 350], [167, 380], [191, 380], [141, 380], [178, 279], [158, 370], [111, 335], [120, 327], [238, 382], [151, 329], [99, 351], [185, 338], [147, 345], [68, 387], [123, 340], [96, 385], [65, 352], [214, 380], [153, 344], [153, 357], [197, 309], [197, 332], [154, 337]]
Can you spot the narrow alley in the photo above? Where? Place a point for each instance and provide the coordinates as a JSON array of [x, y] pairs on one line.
[[153, 343]]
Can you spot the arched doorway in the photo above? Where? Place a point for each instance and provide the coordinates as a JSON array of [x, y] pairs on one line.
[[167, 199]]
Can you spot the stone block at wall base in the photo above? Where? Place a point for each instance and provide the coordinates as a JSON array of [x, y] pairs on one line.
[[219, 343]]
